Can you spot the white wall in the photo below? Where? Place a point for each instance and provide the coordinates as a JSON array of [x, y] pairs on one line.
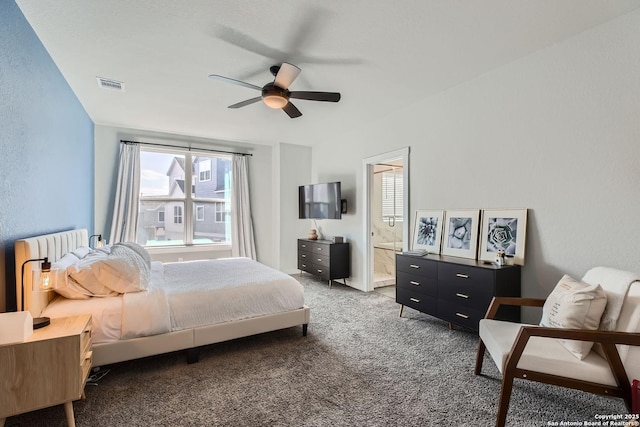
[[557, 132], [294, 165], [261, 180]]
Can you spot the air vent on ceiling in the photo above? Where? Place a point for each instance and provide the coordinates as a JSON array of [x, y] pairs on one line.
[[110, 84]]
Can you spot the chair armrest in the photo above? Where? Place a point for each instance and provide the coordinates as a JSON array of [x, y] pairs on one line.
[[608, 340], [597, 336], [496, 302]]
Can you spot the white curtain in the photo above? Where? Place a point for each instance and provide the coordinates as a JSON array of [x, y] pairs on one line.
[[242, 240], [125, 206]]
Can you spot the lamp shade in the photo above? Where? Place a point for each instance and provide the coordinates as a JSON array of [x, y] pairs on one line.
[[99, 242]]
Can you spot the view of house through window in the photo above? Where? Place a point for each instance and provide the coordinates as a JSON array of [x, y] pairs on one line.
[[171, 212]]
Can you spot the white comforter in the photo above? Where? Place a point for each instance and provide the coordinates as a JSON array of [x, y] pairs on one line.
[[189, 295]]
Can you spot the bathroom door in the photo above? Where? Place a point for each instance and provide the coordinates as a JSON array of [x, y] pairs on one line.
[[402, 156]]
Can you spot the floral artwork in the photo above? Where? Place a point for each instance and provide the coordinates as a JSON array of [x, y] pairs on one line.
[[428, 231], [502, 235], [427, 227], [503, 231], [461, 233]]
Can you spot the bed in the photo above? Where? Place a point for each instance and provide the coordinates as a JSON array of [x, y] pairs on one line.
[[185, 305]]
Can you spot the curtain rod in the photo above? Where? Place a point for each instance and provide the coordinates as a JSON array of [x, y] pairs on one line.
[[188, 148]]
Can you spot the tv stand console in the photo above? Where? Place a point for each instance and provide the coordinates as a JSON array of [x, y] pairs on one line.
[[325, 259]]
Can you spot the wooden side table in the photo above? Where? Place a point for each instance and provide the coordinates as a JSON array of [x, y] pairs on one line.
[[49, 368]]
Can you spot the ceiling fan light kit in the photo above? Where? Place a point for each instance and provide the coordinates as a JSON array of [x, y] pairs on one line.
[[276, 94]]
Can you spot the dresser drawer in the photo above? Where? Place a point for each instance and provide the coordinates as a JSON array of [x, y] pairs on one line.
[[315, 269], [318, 259], [470, 294], [464, 274], [416, 283], [416, 300], [417, 265], [316, 248], [459, 314]]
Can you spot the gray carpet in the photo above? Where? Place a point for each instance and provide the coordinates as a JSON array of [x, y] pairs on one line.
[[360, 365]]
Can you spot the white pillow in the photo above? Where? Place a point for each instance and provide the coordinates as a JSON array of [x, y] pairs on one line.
[[124, 270], [81, 251], [83, 273], [140, 250], [574, 305], [64, 286]]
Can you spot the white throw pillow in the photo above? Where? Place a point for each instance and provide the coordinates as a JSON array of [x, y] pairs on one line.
[[574, 305]]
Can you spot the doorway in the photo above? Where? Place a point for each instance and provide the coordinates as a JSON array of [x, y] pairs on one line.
[[386, 222]]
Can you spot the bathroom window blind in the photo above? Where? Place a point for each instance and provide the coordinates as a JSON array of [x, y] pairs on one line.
[[392, 195]]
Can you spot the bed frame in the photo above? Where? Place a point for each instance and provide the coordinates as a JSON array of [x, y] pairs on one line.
[[55, 245]]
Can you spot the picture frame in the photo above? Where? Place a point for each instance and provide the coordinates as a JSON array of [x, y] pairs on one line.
[[503, 230], [427, 230], [460, 236]]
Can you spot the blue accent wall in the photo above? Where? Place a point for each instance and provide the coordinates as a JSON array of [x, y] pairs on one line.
[[46, 146]]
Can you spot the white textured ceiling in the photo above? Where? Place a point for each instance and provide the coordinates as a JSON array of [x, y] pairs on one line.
[[381, 55]]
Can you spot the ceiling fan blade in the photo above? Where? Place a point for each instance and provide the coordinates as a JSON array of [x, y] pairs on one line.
[[234, 81], [245, 103], [286, 75], [244, 41], [291, 110], [316, 96]]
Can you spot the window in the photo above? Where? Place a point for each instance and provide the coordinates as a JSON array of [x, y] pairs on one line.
[[194, 191], [177, 214], [392, 195], [204, 168], [222, 212]]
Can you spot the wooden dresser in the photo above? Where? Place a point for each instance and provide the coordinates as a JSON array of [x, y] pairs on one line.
[[456, 290], [49, 368], [324, 259]]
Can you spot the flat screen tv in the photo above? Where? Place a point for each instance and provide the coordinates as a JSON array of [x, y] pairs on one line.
[[320, 201]]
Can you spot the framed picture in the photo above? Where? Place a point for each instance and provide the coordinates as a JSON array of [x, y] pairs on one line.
[[461, 233], [427, 232], [503, 230]]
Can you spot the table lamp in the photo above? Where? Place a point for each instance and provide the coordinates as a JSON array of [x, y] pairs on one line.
[[46, 283], [99, 242]]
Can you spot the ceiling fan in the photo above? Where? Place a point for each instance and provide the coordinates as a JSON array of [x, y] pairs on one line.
[[276, 94]]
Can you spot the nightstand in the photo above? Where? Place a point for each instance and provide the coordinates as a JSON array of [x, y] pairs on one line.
[[49, 368]]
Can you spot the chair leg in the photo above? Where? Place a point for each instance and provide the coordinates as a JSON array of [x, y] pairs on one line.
[[479, 357], [505, 396]]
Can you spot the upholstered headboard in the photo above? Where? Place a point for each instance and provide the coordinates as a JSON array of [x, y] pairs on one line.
[[52, 246]]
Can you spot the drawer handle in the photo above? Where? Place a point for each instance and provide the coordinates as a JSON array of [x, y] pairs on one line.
[[319, 249], [462, 295], [304, 246], [304, 265], [320, 259], [464, 316], [464, 276], [415, 283], [303, 256], [414, 299], [414, 266], [319, 271]]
